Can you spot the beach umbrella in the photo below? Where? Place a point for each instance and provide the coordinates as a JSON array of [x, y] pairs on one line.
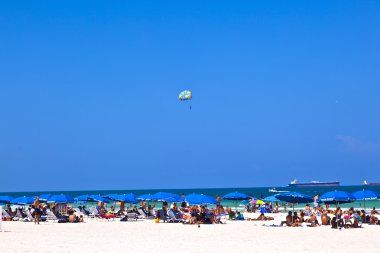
[[336, 197], [271, 199], [165, 196], [257, 202], [235, 196], [98, 198], [60, 199], [22, 201], [128, 198], [5, 199], [83, 198], [199, 199], [43, 197], [146, 197], [293, 197], [365, 195]]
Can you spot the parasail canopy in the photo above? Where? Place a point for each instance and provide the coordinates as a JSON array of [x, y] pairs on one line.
[[185, 95]]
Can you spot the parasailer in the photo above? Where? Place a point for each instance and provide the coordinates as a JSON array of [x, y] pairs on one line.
[[185, 95]]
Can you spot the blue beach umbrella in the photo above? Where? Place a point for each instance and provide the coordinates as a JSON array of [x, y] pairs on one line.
[[112, 196], [43, 197], [60, 199], [98, 198], [128, 198], [5, 199], [271, 199], [200, 199], [164, 196], [146, 197], [83, 198], [336, 197], [365, 195], [294, 197], [22, 201], [235, 196]]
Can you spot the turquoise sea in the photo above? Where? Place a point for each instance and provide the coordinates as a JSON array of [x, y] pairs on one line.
[[257, 192]]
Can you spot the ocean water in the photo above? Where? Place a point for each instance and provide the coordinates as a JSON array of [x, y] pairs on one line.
[[257, 192]]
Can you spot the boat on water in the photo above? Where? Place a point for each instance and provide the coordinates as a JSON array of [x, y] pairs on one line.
[[275, 190], [372, 184], [295, 182]]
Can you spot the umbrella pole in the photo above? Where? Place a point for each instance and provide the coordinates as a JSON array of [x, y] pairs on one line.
[[293, 214], [364, 198]]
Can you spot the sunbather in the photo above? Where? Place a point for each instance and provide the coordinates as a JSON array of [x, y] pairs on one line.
[[289, 219], [313, 221], [325, 218], [373, 220], [262, 217]]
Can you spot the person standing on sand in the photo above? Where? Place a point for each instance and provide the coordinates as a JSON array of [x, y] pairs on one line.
[[37, 212]]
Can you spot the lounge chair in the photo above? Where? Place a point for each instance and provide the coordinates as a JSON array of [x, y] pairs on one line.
[[144, 216], [173, 218], [51, 216], [19, 216], [78, 212], [162, 216], [93, 212], [29, 216], [6, 215]]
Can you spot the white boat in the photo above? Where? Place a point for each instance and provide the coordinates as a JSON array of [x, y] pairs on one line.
[[275, 190]]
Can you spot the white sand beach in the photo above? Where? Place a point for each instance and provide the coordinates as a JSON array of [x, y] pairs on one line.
[[147, 236]]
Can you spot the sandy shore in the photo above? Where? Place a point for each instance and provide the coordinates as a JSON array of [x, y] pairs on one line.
[[147, 236]]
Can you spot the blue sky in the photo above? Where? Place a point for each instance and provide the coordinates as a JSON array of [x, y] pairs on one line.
[[282, 90]]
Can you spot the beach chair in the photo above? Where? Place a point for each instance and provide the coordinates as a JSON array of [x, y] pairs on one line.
[[29, 216], [78, 212], [162, 216], [144, 216], [141, 215], [93, 212], [132, 216], [6, 215], [153, 213], [19, 216], [173, 218], [51, 216]]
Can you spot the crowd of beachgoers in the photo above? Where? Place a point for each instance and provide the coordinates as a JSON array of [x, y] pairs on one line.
[[181, 211]]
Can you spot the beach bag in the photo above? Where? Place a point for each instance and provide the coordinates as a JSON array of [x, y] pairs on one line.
[[157, 220]]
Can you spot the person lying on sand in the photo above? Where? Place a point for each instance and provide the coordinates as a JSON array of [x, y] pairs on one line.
[[261, 217]]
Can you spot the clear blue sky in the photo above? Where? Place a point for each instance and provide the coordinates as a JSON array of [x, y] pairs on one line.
[[282, 90]]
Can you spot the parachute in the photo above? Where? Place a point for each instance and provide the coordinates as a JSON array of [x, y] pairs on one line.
[[185, 95]]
